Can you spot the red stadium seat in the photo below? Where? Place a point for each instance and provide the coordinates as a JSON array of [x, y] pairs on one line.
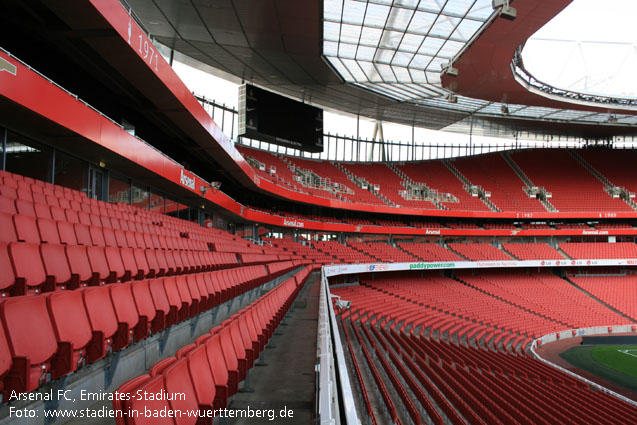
[[24, 207], [66, 232], [159, 367], [115, 265], [7, 277], [7, 205], [177, 381], [154, 385], [128, 387], [31, 341], [145, 308], [225, 381], [48, 231], [201, 377], [174, 299], [236, 365], [189, 304], [165, 313], [27, 267], [8, 229], [56, 266], [130, 265], [142, 263], [102, 319], [72, 330], [81, 272], [82, 234], [5, 358], [97, 236], [99, 265], [126, 313]]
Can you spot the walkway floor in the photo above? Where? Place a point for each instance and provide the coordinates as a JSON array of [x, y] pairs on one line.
[[288, 380]]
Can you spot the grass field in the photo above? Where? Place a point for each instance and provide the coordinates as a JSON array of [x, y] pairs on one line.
[[617, 364]]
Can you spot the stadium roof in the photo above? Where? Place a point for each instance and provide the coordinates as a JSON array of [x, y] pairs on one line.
[[383, 59]]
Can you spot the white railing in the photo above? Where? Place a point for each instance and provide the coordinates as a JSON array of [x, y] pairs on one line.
[[565, 334], [333, 377]]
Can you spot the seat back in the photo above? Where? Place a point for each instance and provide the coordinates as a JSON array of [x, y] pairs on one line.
[[99, 309], [154, 385], [27, 263], [177, 381], [7, 278], [69, 318], [124, 304], [201, 375], [127, 387]]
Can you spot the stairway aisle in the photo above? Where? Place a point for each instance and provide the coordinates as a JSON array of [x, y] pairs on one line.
[[288, 380]]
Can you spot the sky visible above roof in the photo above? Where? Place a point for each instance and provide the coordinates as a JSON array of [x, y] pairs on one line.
[[591, 47]]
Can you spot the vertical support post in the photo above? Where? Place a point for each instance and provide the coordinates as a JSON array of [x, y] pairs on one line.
[[3, 138]]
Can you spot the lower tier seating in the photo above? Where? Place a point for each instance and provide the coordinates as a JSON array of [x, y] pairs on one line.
[[479, 251], [434, 350], [48, 336], [210, 370], [590, 250], [532, 251], [618, 291]]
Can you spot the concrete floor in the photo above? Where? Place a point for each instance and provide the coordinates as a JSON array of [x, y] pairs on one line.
[[288, 380]]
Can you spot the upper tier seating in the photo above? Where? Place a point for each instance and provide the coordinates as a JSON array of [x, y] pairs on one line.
[[438, 177], [323, 169], [389, 182], [287, 245], [573, 188], [617, 165], [494, 175], [346, 189], [281, 175]]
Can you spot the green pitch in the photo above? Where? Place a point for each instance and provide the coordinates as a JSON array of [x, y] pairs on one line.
[[617, 364]]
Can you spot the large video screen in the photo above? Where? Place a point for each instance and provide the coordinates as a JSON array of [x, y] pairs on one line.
[[273, 118]]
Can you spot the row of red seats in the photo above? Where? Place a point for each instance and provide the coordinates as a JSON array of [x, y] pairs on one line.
[[359, 378], [485, 386], [390, 406], [479, 252], [30, 268], [532, 251], [24, 196], [74, 227], [545, 294], [429, 251], [383, 252], [595, 250], [16, 186], [209, 371], [573, 187], [618, 291], [53, 335], [496, 176]]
